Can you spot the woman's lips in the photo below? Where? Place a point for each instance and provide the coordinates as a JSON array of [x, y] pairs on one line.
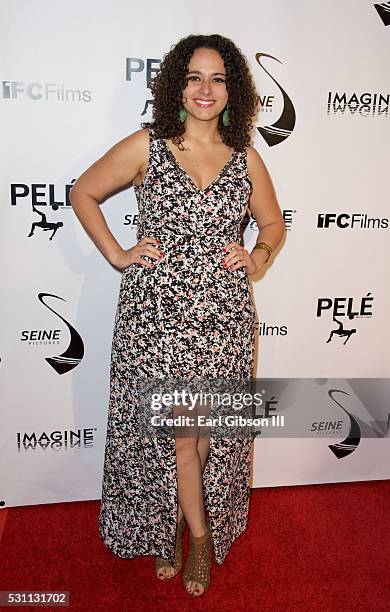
[[205, 103]]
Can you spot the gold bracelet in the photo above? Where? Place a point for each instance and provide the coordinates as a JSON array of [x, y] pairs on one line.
[[265, 246]]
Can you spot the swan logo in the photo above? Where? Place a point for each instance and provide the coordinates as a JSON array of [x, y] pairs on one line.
[[282, 128], [383, 11], [352, 441], [74, 353], [344, 307]]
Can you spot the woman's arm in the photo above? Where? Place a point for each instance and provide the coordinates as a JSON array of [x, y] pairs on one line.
[[264, 206], [115, 169]]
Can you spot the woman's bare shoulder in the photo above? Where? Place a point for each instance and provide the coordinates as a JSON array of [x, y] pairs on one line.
[[255, 163], [132, 151], [253, 155], [137, 140], [118, 166]]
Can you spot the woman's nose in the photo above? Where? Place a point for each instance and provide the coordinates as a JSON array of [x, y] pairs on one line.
[[205, 87]]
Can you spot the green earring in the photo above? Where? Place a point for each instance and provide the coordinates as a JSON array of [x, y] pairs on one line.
[[182, 114], [226, 115]]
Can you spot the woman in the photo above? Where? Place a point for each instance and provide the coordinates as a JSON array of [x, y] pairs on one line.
[[185, 308]]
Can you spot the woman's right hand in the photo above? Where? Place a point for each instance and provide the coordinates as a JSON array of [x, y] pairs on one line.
[[124, 258]]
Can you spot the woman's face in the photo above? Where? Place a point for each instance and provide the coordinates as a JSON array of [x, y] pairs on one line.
[[205, 95]]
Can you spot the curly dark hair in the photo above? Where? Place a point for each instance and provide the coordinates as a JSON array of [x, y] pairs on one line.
[[171, 79]]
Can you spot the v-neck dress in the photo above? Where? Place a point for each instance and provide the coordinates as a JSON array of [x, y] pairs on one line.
[[186, 317]]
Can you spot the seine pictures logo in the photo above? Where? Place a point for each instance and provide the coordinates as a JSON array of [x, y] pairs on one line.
[[352, 441], [341, 308], [74, 353], [335, 427], [383, 11], [282, 128]]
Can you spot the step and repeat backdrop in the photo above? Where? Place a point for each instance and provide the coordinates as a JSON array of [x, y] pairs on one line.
[[75, 80]]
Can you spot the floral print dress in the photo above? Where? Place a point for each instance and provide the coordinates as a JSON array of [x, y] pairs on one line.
[[187, 316]]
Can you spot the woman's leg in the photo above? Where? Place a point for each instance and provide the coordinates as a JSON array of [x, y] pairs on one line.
[[204, 436], [191, 456], [192, 448], [203, 450], [189, 472]]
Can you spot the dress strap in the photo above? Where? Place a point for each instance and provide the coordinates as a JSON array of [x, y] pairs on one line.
[[152, 134]]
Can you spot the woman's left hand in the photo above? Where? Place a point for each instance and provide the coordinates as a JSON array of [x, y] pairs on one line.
[[238, 257]]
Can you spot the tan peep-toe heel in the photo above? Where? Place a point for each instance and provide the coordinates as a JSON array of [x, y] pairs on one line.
[[198, 563], [164, 563]]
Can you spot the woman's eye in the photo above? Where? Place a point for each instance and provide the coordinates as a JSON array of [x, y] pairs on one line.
[[218, 79]]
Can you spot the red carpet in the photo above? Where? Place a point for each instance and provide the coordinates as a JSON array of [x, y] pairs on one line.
[[323, 547]]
